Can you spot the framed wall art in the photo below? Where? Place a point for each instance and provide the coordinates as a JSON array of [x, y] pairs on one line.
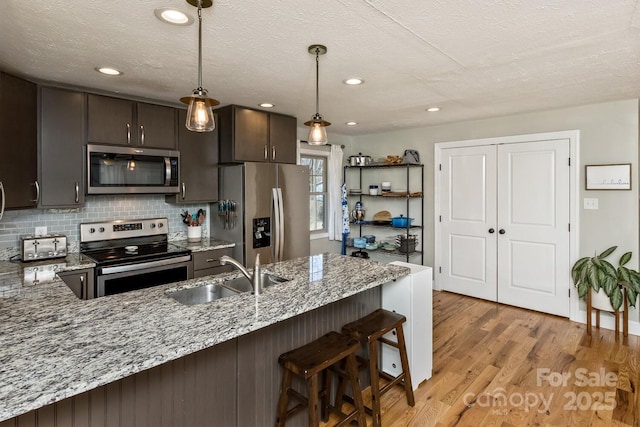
[[608, 177]]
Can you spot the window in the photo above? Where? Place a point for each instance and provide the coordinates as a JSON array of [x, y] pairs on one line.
[[317, 191]]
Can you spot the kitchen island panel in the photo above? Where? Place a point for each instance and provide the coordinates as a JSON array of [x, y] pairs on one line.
[[196, 390]]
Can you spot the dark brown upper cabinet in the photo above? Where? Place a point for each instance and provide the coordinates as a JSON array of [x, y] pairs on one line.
[[248, 135], [198, 165], [18, 143], [61, 148], [124, 122]]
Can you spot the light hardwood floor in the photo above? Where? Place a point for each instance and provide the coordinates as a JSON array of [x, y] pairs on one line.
[[496, 365]]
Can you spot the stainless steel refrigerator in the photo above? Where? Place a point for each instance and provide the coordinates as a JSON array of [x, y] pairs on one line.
[[263, 208]]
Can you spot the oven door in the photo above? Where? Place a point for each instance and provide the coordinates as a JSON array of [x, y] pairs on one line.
[[129, 277]]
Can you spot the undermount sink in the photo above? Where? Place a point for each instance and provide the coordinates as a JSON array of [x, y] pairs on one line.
[[242, 284], [215, 291]]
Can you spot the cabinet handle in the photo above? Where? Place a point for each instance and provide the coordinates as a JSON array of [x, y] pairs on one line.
[[81, 279], [501, 231], [2, 195], [35, 183], [141, 135], [266, 157], [212, 260], [129, 133], [491, 231], [183, 191], [273, 153], [77, 192]]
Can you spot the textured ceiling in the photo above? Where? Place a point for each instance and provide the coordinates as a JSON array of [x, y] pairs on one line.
[[474, 58]]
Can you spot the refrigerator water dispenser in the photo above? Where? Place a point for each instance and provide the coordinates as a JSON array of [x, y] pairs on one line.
[[261, 232]]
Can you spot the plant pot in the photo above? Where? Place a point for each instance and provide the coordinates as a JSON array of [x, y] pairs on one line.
[[194, 234], [600, 301]]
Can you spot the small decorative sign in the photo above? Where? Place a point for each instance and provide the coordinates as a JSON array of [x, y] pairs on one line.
[[608, 177]]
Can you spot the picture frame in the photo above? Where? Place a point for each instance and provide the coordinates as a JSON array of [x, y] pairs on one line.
[[608, 177]]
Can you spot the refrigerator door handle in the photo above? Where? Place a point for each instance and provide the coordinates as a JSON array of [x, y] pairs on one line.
[[275, 228], [281, 224]]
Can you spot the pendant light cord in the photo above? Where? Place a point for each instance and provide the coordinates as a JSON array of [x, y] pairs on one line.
[[200, 45], [317, 84]]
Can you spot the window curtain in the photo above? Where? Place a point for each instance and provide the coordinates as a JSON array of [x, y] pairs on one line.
[[334, 173]]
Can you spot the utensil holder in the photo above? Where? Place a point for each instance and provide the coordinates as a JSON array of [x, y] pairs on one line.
[[194, 234]]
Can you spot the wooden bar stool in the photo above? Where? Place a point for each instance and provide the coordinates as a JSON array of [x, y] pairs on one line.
[[369, 330], [307, 362]]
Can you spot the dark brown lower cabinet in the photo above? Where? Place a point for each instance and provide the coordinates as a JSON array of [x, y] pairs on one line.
[[235, 383]]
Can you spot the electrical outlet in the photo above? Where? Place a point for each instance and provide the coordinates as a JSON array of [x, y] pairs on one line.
[[590, 203], [41, 231]]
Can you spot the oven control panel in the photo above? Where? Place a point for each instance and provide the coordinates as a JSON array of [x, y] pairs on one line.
[[120, 229], [131, 226]]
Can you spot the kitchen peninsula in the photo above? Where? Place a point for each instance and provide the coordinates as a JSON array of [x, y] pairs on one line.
[[141, 355]]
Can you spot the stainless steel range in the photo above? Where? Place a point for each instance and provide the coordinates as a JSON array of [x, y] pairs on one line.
[[133, 254]]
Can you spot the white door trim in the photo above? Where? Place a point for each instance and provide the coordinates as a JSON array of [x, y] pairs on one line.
[[574, 196]]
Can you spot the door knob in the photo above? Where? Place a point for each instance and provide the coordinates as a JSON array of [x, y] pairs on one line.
[[491, 231], [501, 231]]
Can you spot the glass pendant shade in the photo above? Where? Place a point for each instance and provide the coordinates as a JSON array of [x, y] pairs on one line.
[[317, 134], [200, 113], [317, 130]]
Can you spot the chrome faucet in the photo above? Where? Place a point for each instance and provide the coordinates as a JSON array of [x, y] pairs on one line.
[[253, 278]]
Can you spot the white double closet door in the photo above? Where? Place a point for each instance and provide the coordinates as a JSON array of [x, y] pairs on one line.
[[505, 223]]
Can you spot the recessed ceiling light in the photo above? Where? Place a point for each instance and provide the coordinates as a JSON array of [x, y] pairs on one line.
[[354, 81], [173, 16], [267, 105], [351, 123], [109, 71], [433, 109]]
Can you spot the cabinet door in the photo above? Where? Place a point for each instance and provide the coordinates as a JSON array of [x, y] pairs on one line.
[[80, 282], [282, 139], [110, 120], [250, 142], [61, 155], [18, 141], [156, 126], [198, 165]]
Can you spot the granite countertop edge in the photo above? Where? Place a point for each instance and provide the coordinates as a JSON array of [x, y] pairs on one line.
[[54, 346]]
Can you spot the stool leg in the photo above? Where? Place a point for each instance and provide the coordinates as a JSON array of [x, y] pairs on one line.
[[352, 369], [342, 387], [283, 401], [312, 389], [375, 383], [326, 396], [408, 389]]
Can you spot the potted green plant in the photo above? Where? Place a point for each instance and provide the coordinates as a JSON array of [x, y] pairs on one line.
[[598, 275]]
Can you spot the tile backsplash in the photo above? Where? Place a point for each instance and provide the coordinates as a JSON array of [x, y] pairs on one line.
[[17, 223]]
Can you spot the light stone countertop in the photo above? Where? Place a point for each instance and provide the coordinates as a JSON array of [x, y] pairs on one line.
[[53, 345]]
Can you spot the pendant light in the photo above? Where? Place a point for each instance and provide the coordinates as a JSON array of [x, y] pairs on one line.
[[317, 126], [200, 112]]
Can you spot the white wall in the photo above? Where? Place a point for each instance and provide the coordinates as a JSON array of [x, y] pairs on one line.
[[608, 134]]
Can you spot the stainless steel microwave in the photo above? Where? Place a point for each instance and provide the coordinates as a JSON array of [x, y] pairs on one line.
[[129, 170]]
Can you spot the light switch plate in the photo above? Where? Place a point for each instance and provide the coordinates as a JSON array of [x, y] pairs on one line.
[[590, 203], [41, 231]]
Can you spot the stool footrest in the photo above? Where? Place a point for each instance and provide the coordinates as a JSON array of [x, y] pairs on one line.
[[389, 342]]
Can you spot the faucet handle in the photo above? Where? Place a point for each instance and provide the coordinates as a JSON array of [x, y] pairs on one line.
[[257, 262]]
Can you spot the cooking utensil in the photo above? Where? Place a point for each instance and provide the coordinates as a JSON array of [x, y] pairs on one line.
[[359, 160], [401, 221]]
